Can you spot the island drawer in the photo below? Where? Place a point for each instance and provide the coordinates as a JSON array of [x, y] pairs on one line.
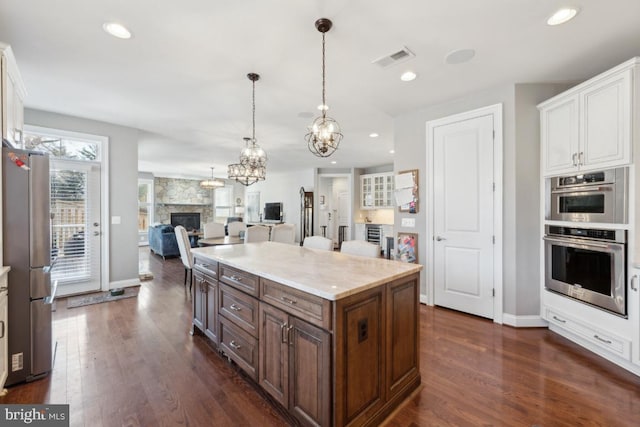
[[313, 309], [206, 266], [240, 308], [241, 347], [239, 279]]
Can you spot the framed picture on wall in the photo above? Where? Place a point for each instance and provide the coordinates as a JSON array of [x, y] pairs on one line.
[[407, 247]]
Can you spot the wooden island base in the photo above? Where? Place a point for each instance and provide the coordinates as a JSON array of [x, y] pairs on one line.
[[343, 361]]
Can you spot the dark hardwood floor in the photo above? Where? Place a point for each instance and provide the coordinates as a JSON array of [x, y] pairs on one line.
[[132, 362]]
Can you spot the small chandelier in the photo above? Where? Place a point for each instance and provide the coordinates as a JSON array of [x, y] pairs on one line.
[[210, 184], [253, 160], [324, 133], [248, 171]]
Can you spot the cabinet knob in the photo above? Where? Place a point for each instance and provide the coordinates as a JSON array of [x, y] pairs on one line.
[[234, 307], [234, 345]]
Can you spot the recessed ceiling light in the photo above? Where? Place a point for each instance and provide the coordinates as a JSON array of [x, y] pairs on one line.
[[333, 162], [322, 107], [562, 15], [460, 56], [116, 30], [392, 151], [407, 76], [373, 135]]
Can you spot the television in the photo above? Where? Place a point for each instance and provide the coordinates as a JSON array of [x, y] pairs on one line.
[[190, 220], [273, 212]]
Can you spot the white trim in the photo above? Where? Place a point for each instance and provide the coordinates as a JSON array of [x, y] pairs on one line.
[[496, 112], [424, 299], [123, 284], [528, 321], [104, 190]]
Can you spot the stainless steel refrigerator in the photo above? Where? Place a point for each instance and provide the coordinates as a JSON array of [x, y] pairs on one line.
[[27, 250]]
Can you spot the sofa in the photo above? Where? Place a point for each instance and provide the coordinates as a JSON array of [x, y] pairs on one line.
[[162, 240]]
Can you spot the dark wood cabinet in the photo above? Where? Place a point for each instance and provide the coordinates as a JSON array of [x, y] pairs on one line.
[[295, 359], [344, 362]]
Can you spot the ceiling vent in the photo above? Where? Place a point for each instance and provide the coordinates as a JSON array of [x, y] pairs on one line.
[[402, 55]]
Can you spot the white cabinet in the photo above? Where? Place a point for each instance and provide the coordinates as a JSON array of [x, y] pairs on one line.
[[360, 233], [633, 304], [12, 95], [376, 191], [589, 127]]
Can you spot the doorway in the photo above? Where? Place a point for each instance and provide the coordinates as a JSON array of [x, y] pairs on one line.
[[78, 206], [334, 207], [465, 159]]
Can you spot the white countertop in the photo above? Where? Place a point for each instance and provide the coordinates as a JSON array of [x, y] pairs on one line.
[[327, 274]]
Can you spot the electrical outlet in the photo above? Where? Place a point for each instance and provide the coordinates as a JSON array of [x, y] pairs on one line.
[[409, 222]]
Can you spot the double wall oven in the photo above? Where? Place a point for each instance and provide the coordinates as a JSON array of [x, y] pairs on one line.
[[586, 256]]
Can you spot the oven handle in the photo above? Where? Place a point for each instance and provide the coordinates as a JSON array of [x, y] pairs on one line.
[[584, 244], [580, 190]]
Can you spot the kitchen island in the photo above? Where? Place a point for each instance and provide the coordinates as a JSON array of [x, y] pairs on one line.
[[333, 338]]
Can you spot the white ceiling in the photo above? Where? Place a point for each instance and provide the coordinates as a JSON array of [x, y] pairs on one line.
[[182, 77]]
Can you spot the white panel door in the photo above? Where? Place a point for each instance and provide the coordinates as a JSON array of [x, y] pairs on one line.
[[463, 215]]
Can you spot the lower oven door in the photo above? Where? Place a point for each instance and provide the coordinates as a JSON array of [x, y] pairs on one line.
[[590, 271]]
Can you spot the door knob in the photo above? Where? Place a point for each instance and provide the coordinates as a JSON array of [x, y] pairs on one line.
[[438, 238], [96, 233], [95, 224]]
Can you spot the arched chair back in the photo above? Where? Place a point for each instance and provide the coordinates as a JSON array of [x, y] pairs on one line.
[[361, 248], [318, 242], [283, 233], [184, 246], [213, 230], [256, 233], [234, 228]]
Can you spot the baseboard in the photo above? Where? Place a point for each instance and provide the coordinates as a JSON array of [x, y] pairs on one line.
[[124, 283], [423, 299], [529, 321]]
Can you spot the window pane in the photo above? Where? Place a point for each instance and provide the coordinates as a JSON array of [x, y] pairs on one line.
[[62, 148]]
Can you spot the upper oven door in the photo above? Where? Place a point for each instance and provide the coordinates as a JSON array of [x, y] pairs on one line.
[[586, 204]]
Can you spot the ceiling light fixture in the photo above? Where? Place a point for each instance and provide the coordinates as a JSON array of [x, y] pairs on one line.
[[324, 134], [253, 160], [210, 184], [373, 135], [407, 76], [116, 30], [562, 16]]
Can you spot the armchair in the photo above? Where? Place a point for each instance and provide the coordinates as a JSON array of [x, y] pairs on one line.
[[162, 240]]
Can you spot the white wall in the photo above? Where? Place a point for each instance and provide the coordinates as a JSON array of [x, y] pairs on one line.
[[285, 188], [123, 185], [520, 175]]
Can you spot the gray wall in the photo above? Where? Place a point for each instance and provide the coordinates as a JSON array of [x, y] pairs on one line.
[[123, 185], [520, 182]]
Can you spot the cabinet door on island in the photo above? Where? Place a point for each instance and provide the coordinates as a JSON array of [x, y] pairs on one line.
[[294, 365]]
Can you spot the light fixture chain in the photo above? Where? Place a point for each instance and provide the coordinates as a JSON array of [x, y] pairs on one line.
[[324, 103], [254, 111]]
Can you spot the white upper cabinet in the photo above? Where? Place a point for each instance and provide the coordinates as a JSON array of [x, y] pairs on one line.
[[589, 127], [12, 96], [376, 191]]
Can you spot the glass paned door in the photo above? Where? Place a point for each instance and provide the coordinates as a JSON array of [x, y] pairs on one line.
[[75, 225], [145, 210]]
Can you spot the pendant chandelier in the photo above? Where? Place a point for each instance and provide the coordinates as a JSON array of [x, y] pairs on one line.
[[324, 133], [210, 184], [253, 160]]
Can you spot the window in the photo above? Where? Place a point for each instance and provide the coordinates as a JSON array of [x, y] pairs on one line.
[[63, 148], [223, 203]]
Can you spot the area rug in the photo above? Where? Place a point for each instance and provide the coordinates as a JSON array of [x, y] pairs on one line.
[[99, 297]]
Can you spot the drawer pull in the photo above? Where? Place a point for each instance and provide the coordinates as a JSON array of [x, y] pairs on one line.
[[234, 345], [236, 278], [559, 319], [2, 323], [283, 337], [602, 340], [288, 300], [235, 307]]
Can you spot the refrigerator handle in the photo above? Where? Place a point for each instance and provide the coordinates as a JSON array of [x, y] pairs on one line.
[[49, 300]]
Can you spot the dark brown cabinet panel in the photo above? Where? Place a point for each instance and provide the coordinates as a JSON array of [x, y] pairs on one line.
[[274, 353], [309, 373], [402, 354], [240, 346], [199, 302], [240, 308], [211, 325]]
